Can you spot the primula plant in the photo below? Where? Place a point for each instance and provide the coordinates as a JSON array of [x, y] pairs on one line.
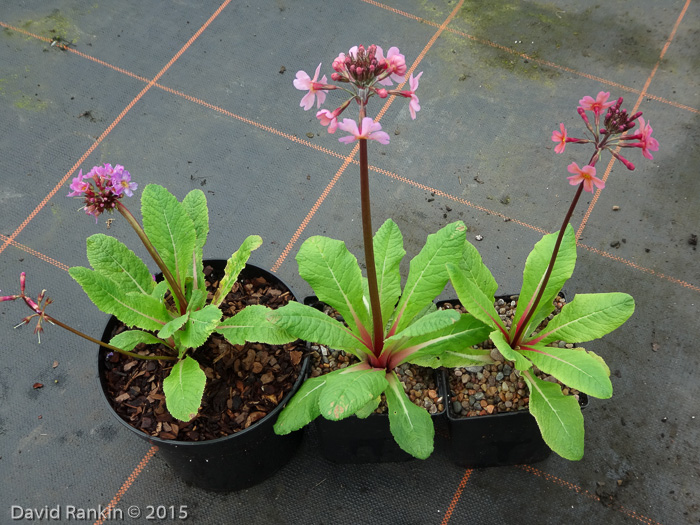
[[548, 267], [385, 325], [175, 312]]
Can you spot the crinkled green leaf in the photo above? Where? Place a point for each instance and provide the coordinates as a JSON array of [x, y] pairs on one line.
[[473, 298], [128, 339], [200, 326], [198, 299], [170, 229], [234, 265], [334, 275], [535, 268], [575, 367], [159, 290], [388, 252], [410, 425], [252, 324], [195, 205], [350, 390], [588, 317], [169, 329], [307, 323], [114, 260], [521, 363], [133, 309], [558, 416], [303, 408], [369, 408], [442, 347], [184, 388], [427, 275]]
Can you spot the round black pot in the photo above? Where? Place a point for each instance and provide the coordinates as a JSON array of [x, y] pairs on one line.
[[234, 462]]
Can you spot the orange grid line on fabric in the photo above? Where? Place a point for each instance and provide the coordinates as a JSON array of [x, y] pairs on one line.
[[35, 253], [109, 129], [126, 485], [571, 486], [540, 61], [456, 497]]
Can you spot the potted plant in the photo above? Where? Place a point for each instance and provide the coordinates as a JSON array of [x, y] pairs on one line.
[[525, 336], [384, 325], [175, 331]]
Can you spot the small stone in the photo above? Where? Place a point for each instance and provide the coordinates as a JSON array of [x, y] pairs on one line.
[[616, 208], [499, 376], [456, 407], [310, 135], [458, 373], [489, 409], [479, 237], [478, 396], [561, 344]]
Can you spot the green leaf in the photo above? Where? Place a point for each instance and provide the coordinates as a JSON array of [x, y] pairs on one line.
[[558, 416], [410, 425], [159, 290], [307, 323], [350, 390], [333, 273], [588, 317], [128, 339], [114, 260], [575, 367], [234, 265], [170, 229], [171, 327], [521, 363], [198, 299], [303, 408], [427, 275], [200, 326], [448, 345], [132, 309], [425, 325], [252, 324], [195, 205], [388, 252], [535, 268], [369, 408], [466, 356], [474, 300], [184, 388], [473, 267]]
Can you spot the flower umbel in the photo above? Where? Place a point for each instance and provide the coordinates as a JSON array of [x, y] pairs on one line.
[[102, 188]]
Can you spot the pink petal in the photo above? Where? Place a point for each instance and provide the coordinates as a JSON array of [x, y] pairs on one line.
[[307, 101], [303, 81]]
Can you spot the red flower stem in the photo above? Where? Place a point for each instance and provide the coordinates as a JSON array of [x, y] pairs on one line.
[[107, 345], [519, 333], [378, 340], [177, 291]]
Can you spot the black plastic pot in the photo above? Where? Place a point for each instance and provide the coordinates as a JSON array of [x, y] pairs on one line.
[[234, 462], [509, 438], [369, 440]]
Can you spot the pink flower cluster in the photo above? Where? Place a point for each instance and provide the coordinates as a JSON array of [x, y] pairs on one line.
[[616, 123], [363, 70], [102, 187]]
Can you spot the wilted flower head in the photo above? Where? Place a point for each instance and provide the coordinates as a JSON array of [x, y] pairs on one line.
[[102, 188]]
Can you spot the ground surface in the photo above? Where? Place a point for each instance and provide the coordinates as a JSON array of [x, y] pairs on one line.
[[193, 94]]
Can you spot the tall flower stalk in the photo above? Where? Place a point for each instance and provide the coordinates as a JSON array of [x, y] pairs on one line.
[[617, 123], [363, 73]]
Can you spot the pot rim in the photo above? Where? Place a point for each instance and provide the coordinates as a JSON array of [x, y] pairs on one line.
[[303, 372]]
